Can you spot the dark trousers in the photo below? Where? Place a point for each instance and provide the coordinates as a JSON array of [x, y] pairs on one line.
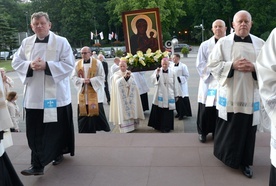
[[107, 91], [272, 179]]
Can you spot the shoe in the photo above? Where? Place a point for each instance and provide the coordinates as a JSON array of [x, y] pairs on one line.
[[177, 115], [202, 138], [181, 118], [58, 160], [247, 171], [33, 171]]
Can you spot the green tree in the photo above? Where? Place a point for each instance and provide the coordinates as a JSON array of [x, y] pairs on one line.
[[52, 7], [79, 24], [263, 16], [8, 38], [75, 19]]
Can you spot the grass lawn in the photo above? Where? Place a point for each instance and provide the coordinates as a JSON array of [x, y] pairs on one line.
[[6, 64]]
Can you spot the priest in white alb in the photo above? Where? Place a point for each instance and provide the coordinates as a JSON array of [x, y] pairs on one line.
[[88, 78], [207, 88], [125, 107], [167, 91], [266, 62], [44, 63], [232, 63]]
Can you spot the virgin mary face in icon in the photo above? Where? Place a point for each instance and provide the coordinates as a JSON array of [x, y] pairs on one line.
[[141, 26]]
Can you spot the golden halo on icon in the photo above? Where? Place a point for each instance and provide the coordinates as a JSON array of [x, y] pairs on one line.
[[148, 20]]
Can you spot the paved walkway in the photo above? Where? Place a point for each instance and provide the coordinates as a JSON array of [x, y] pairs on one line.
[[145, 159]]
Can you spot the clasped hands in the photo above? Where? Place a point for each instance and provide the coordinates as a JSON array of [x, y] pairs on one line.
[[243, 65], [158, 71], [38, 64], [127, 75], [86, 81]]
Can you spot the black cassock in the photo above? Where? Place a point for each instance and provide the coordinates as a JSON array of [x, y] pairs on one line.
[[234, 142], [95, 123], [49, 140], [8, 176]]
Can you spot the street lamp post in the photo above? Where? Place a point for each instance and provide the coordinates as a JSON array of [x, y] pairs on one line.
[[27, 33], [174, 42], [96, 34], [201, 26]]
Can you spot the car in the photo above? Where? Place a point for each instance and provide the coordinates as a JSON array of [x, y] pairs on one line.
[[96, 49], [108, 52], [12, 52], [4, 55], [178, 47], [74, 51], [78, 53]]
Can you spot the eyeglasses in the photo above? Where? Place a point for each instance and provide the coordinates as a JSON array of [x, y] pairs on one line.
[[85, 53], [38, 24]]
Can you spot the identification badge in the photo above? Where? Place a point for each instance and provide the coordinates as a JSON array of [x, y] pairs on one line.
[[211, 96]]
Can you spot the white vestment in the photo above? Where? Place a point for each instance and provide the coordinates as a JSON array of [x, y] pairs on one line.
[[5, 120], [166, 90], [266, 62], [97, 82], [61, 68], [238, 94], [141, 82], [114, 68], [207, 83], [125, 106], [182, 72]]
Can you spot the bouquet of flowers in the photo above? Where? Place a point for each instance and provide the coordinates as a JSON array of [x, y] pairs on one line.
[[143, 62]]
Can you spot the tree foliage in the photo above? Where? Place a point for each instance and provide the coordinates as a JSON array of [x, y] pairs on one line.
[[8, 39], [75, 19]]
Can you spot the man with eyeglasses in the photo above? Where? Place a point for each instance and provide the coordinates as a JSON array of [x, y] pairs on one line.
[[44, 63], [88, 78]]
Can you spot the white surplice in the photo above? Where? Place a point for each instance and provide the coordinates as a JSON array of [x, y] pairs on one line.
[[266, 63], [114, 68], [125, 107], [182, 72], [61, 67], [206, 81], [166, 89], [141, 82], [238, 94]]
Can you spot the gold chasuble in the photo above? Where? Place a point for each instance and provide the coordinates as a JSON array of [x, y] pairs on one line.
[[92, 99]]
